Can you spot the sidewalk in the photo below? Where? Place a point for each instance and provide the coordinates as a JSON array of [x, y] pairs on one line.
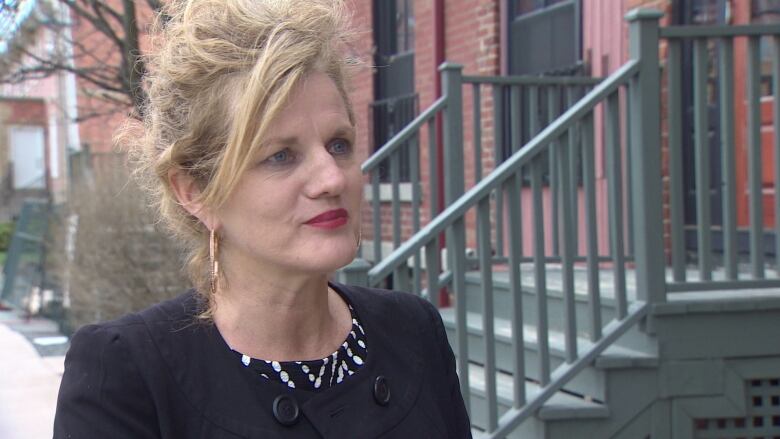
[[28, 381]]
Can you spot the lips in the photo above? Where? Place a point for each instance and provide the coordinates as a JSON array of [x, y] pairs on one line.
[[330, 219]]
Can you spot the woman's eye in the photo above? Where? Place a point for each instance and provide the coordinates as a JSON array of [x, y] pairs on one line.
[[340, 147], [282, 156]]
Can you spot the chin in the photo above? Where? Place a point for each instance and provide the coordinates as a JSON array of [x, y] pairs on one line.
[[342, 262], [335, 258]]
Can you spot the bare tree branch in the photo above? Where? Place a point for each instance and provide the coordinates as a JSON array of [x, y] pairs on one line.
[[106, 49], [96, 21], [133, 63], [99, 7]]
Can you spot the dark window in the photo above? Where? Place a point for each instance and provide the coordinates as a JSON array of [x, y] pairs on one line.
[[522, 7], [706, 12], [395, 101], [701, 12], [404, 26], [544, 36], [765, 12], [544, 39]]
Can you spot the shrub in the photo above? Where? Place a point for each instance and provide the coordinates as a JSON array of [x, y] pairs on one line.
[[120, 262], [6, 231]]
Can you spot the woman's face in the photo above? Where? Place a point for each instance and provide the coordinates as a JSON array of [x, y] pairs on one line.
[[297, 207]]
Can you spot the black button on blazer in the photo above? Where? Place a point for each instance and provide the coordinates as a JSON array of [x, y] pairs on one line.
[[158, 374]]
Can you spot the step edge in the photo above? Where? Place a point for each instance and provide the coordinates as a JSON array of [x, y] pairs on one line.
[[609, 359]]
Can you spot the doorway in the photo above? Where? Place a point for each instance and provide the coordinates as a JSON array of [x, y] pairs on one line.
[[28, 157]]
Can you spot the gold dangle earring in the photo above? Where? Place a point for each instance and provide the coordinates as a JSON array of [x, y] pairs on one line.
[[213, 260]]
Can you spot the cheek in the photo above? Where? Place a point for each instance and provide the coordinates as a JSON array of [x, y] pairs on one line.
[[253, 211], [355, 184]]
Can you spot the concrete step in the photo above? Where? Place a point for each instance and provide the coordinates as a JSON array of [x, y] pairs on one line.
[[591, 382], [554, 290], [561, 406]]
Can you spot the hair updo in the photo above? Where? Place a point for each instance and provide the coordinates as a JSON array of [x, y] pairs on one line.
[[221, 72]]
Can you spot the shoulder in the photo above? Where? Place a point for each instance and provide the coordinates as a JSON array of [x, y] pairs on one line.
[[129, 338], [401, 313], [136, 325], [377, 300], [103, 391], [93, 340]]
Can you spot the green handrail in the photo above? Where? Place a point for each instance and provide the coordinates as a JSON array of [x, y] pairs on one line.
[[719, 31], [402, 136], [508, 168], [533, 80]]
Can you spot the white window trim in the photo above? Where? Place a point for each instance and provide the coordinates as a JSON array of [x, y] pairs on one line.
[[386, 192]]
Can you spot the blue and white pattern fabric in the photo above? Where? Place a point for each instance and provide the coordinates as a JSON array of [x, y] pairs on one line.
[[316, 375]]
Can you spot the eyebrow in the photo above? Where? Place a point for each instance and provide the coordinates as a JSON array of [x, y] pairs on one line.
[[341, 131]]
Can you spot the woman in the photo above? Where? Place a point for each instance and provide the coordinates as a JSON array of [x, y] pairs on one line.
[[249, 137]]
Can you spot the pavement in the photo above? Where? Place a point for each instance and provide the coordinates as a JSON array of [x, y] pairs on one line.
[[31, 365]]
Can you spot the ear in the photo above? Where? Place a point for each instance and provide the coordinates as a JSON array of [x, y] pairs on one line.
[[187, 192]]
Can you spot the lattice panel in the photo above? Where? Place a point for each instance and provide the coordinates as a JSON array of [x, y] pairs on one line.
[[762, 420]]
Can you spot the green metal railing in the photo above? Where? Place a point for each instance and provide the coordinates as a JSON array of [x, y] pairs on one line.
[[24, 267], [523, 103], [708, 43], [535, 194], [533, 102]]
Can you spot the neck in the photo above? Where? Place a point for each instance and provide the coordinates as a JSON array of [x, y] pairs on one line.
[[298, 319]]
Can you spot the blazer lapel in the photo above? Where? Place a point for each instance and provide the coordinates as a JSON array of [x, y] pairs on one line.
[[351, 409]]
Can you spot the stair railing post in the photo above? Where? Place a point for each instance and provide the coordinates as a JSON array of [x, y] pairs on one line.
[[451, 83], [356, 273], [645, 152]]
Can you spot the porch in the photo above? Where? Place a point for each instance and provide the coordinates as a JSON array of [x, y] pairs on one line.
[[577, 309]]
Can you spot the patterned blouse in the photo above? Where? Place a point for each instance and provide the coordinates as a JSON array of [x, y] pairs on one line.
[[316, 375]]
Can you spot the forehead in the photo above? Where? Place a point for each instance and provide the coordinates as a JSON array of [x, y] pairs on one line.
[[315, 100]]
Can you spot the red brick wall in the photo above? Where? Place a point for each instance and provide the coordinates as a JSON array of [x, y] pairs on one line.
[[25, 111], [98, 109], [472, 39]]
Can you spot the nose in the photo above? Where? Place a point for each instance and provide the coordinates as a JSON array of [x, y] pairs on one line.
[[325, 177]]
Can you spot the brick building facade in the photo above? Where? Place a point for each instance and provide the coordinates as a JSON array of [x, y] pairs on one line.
[[47, 103], [474, 33], [478, 35]]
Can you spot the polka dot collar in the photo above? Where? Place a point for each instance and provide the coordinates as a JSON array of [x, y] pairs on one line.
[[316, 375]]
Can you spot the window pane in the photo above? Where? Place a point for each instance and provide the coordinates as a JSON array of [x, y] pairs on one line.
[[706, 11], [765, 12], [526, 6], [523, 7], [404, 26]]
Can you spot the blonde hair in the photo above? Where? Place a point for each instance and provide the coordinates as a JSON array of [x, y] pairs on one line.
[[223, 70]]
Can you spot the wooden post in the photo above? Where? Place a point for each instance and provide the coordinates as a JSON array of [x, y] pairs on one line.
[[645, 147]]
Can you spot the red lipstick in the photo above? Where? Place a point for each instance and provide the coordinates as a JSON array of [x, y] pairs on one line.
[[331, 219]]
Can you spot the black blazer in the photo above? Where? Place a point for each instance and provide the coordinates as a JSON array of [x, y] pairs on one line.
[[157, 374]]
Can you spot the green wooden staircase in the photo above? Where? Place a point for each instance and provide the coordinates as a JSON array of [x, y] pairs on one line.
[[572, 303]]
